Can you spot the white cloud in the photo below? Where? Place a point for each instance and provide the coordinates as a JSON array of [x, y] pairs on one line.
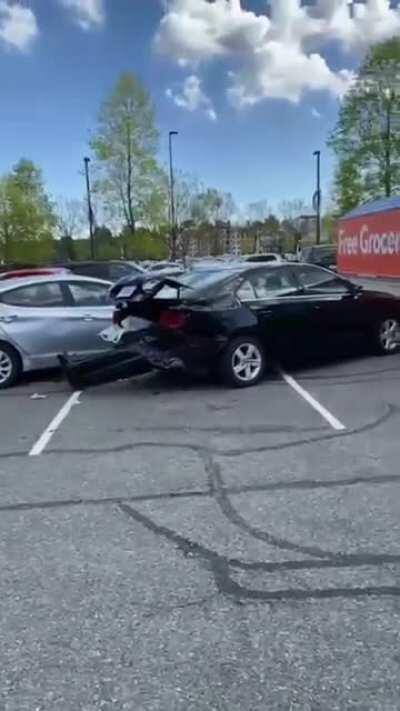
[[87, 13], [315, 113], [192, 97], [276, 56], [196, 30], [282, 71], [18, 26]]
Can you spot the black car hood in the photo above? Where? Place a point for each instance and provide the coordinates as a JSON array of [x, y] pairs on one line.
[[370, 294]]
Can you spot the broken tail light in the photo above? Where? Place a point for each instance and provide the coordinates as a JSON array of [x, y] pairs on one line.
[[174, 320], [118, 315]]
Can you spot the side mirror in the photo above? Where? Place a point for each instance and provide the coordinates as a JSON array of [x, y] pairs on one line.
[[355, 289]]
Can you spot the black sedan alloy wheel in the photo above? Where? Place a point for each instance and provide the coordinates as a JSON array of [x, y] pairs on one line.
[[388, 336], [243, 362]]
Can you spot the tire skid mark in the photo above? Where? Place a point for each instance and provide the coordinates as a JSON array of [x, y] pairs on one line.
[[219, 566]]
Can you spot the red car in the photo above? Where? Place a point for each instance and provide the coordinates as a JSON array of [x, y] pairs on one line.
[[34, 271]]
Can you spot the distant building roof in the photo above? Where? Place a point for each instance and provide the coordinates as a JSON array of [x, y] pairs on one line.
[[373, 206]]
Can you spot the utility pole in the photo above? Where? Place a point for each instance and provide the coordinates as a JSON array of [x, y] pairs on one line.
[[172, 193], [90, 210], [317, 197]]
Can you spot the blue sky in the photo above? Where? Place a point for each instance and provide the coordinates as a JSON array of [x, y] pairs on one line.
[[259, 147]]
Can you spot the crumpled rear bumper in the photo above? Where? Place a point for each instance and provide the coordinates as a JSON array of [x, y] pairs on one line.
[[167, 359], [164, 351], [115, 364], [141, 352]]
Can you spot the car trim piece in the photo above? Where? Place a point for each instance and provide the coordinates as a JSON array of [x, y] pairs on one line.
[[301, 298]]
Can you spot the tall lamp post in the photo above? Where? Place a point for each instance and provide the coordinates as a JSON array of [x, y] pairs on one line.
[[172, 193], [90, 209], [317, 197]]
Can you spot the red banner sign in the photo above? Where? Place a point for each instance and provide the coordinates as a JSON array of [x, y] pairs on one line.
[[370, 245]]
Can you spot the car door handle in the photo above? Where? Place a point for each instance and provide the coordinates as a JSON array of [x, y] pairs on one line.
[[88, 317], [317, 307]]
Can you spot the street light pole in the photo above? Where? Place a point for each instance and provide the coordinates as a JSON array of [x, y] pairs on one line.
[[172, 192], [90, 210], [317, 196]]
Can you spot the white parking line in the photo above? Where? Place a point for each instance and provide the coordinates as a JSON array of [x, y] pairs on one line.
[[45, 438], [333, 421]]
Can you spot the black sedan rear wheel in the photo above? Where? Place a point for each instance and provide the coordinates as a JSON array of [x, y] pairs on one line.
[[243, 362], [387, 335]]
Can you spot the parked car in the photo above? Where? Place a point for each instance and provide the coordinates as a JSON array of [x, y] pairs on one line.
[[264, 258], [111, 270], [211, 265], [42, 317], [166, 267], [240, 318], [323, 255], [31, 272]]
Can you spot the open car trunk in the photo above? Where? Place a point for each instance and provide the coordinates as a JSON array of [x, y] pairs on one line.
[[138, 297]]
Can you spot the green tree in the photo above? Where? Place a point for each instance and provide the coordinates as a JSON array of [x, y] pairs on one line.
[[71, 223], [144, 244], [349, 190], [258, 211], [290, 210], [106, 245], [366, 139], [27, 218], [125, 143], [213, 206]]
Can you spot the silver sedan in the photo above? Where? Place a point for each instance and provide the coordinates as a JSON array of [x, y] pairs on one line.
[[42, 317]]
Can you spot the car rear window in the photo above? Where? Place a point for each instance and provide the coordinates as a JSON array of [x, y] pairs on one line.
[[262, 258], [118, 271], [198, 284], [98, 271]]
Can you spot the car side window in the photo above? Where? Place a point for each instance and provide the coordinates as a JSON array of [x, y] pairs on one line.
[[97, 270], [47, 295], [316, 280], [117, 271], [246, 291], [88, 294], [266, 284]]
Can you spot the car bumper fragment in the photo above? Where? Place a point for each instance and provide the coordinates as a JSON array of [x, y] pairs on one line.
[[113, 365]]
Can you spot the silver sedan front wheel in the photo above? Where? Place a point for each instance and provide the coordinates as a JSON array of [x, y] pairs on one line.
[[389, 335], [10, 366]]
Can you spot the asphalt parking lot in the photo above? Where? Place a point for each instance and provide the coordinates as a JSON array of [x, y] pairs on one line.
[[174, 545]]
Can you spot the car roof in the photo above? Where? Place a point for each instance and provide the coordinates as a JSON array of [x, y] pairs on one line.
[[217, 266], [86, 262], [9, 284], [262, 254]]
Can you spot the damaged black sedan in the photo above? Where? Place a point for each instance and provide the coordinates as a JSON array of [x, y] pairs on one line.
[[237, 320]]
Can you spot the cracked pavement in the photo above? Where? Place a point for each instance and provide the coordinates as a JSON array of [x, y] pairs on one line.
[[183, 546]]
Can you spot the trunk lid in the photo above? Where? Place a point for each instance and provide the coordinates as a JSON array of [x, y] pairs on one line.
[[158, 300]]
